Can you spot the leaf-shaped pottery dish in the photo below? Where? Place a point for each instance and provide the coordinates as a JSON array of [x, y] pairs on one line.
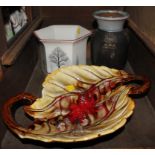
[[78, 103]]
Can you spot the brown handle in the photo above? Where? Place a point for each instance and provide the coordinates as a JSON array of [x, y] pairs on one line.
[[141, 88], [7, 114]]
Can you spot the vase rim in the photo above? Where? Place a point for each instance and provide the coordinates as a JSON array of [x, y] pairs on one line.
[[123, 15]]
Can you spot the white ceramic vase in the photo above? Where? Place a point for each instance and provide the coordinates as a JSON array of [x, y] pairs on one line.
[[64, 45]]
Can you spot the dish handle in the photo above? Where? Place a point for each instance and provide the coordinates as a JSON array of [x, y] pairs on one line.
[[139, 84], [7, 112]]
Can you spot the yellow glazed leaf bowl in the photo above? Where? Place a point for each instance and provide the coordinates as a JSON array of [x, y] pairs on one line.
[[78, 103]]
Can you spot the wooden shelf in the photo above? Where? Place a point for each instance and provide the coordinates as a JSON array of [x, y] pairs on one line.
[[10, 55], [143, 36], [10, 49]]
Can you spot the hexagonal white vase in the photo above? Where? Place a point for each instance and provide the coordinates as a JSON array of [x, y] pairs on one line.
[[64, 45]]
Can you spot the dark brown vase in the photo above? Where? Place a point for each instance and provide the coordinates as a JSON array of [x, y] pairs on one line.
[[110, 41], [110, 48]]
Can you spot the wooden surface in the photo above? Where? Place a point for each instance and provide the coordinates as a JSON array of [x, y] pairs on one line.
[[17, 76], [142, 62], [143, 17], [80, 15], [142, 35]]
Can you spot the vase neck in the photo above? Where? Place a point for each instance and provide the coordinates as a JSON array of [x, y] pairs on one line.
[[111, 26]]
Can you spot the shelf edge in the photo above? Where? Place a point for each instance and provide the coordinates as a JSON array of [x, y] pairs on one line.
[[143, 36], [10, 55]]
